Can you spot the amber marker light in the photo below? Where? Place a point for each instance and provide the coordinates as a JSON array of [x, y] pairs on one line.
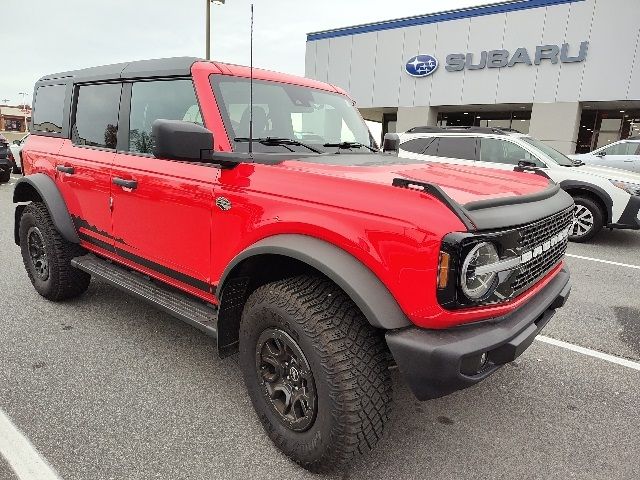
[[443, 270]]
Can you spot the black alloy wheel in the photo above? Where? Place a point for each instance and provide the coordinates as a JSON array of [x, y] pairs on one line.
[[37, 253], [287, 380]]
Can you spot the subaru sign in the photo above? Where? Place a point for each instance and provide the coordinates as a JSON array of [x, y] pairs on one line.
[[421, 65]]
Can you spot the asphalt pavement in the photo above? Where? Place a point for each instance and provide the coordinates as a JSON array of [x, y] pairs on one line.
[[107, 387]]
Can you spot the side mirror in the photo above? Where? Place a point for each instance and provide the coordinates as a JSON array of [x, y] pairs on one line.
[[526, 164], [179, 140], [601, 154], [391, 143], [16, 142]]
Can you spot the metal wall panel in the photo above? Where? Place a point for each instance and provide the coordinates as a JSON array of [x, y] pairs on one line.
[[447, 86], [423, 86], [578, 29], [386, 81], [363, 61], [524, 29], [322, 61], [555, 30], [340, 61], [633, 90], [411, 46], [613, 35], [480, 85], [310, 60]]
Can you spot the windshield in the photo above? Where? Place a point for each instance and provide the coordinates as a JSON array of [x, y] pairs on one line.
[[282, 111], [555, 155]]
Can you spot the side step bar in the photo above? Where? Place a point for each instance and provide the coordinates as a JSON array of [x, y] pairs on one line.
[[191, 310]]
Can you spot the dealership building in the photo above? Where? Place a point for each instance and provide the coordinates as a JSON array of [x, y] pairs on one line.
[[564, 71]]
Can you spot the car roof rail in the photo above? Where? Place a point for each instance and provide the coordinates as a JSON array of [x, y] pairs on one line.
[[461, 129]]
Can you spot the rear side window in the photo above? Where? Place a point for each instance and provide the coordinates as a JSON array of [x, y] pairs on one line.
[[48, 113], [500, 151], [463, 148], [96, 119], [622, 148], [417, 145], [163, 99]]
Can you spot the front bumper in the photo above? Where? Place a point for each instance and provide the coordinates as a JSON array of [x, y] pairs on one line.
[[630, 218], [439, 362]]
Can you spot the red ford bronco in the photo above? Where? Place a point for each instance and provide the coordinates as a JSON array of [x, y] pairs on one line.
[[276, 226]]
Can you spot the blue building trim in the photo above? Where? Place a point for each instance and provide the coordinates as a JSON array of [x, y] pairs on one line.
[[471, 12]]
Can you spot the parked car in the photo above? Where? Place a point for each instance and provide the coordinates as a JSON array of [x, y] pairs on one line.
[[6, 164], [15, 150], [604, 197], [624, 154], [293, 242]]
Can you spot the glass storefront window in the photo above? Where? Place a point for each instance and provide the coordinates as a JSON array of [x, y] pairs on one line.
[[598, 128]]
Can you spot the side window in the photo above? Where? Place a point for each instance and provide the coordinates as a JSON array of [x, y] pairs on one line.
[[500, 151], [463, 148], [96, 118], [615, 149], [432, 149], [48, 113], [160, 99], [417, 145]]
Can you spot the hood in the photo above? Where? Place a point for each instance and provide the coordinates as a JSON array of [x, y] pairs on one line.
[[609, 173], [463, 184]]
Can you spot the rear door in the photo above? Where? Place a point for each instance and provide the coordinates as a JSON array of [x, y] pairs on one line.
[[449, 149], [83, 164], [621, 155], [162, 208], [503, 154]]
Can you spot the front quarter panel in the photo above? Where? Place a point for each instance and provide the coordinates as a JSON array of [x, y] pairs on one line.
[[395, 233]]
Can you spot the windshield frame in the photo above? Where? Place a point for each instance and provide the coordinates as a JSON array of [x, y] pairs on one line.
[[549, 152], [238, 146]]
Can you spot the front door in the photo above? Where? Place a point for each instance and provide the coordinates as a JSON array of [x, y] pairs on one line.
[[83, 164], [162, 208]]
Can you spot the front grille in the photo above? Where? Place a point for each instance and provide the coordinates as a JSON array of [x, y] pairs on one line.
[[534, 235]]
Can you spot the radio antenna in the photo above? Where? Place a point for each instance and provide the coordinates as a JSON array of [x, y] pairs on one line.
[[251, 86]]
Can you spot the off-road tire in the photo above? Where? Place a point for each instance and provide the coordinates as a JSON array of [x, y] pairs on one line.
[[349, 361], [5, 176], [63, 281], [598, 219]]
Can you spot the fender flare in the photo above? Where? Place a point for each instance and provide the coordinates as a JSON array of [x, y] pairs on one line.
[[366, 290], [52, 198], [596, 190]]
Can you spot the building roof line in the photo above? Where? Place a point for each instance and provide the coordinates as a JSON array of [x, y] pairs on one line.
[[469, 12]]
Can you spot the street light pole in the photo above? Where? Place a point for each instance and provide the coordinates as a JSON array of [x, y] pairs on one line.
[[208, 25], [24, 108]]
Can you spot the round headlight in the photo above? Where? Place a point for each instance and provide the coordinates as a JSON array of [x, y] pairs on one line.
[[476, 287]]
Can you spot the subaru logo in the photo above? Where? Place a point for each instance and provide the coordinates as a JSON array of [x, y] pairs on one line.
[[421, 65]]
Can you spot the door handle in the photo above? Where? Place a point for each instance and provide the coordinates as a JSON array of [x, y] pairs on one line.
[[125, 183], [65, 169]]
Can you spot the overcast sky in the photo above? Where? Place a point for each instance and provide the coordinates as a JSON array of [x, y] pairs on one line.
[[46, 36]]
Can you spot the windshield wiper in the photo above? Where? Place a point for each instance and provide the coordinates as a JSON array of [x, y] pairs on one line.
[[348, 145], [278, 141]]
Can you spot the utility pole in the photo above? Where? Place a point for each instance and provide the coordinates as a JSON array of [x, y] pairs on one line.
[[208, 25], [24, 108]]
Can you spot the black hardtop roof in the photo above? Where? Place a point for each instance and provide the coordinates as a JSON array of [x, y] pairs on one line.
[[159, 67]]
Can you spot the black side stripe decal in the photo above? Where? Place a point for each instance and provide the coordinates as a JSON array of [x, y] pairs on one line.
[[179, 276]]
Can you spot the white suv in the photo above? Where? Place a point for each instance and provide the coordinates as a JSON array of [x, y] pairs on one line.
[[604, 197], [624, 154]]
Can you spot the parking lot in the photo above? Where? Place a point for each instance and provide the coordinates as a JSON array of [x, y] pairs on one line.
[[106, 387]]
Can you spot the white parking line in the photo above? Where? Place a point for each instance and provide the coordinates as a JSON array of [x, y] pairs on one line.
[[592, 353], [602, 261], [21, 455]]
